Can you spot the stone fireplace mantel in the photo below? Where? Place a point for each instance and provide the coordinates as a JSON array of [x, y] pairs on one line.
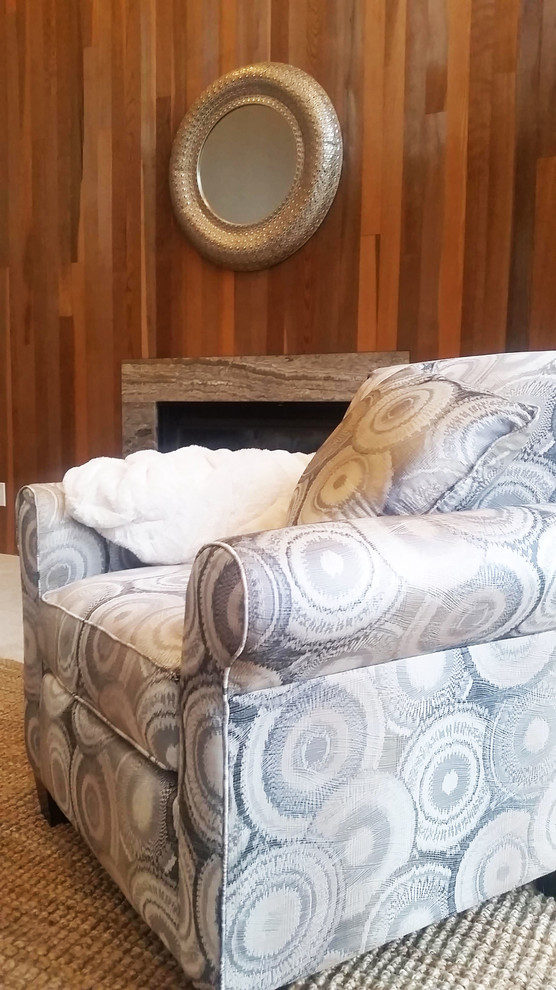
[[262, 378]]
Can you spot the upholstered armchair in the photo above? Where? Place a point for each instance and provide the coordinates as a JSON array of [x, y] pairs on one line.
[[351, 735]]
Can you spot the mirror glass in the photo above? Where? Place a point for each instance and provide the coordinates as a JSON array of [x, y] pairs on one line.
[[247, 164]]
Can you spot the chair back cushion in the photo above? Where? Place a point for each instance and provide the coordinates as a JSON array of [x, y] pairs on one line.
[[530, 478], [411, 443]]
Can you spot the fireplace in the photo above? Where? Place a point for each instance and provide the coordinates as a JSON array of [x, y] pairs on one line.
[[291, 402]]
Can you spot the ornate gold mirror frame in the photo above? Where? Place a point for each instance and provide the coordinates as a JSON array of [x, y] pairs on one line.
[[318, 142]]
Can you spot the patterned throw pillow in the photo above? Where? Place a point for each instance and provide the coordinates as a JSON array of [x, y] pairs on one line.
[[410, 445]]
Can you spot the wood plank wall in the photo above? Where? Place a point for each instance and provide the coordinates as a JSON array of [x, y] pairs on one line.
[[441, 239]]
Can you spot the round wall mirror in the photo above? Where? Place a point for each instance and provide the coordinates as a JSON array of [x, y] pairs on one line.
[[255, 165], [247, 164]]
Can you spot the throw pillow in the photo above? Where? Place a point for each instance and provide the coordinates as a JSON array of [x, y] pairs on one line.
[[411, 444]]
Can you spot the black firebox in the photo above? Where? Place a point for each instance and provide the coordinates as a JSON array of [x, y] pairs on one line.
[[272, 425]]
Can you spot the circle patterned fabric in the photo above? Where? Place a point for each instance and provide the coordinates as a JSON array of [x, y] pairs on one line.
[[444, 811], [411, 444]]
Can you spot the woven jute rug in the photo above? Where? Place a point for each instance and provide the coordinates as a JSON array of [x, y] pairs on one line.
[[65, 926]]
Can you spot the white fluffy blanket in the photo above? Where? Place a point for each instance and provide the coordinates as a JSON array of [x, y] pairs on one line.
[[164, 507]]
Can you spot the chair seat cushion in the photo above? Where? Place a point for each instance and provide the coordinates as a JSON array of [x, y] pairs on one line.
[[115, 642]]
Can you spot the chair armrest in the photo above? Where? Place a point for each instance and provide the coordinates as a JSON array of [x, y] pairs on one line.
[[275, 607], [300, 602], [54, 549]]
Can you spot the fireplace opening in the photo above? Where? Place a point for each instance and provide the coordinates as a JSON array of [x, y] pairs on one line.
[[293, 426]]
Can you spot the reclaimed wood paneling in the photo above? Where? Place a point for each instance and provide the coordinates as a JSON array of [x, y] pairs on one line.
[[441, 238]]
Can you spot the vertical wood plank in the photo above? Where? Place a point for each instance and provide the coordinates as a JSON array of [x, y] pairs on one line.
[[450, 278], [6, 411], [169, 36], [501, 184], [44, 328], [68, 168], [23, 254], [372, 100], [547, 81], [543, 291], [127, 193], [153, 205], [391, 208], [526, 153], [478, 173], [414, 175], [349, 82], [6, 434], [106, 385]]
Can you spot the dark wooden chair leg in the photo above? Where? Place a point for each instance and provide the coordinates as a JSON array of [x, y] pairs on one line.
[[547, 885], [48, 806]]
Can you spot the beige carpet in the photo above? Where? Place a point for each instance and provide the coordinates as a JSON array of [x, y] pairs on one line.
[[65, 926]]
